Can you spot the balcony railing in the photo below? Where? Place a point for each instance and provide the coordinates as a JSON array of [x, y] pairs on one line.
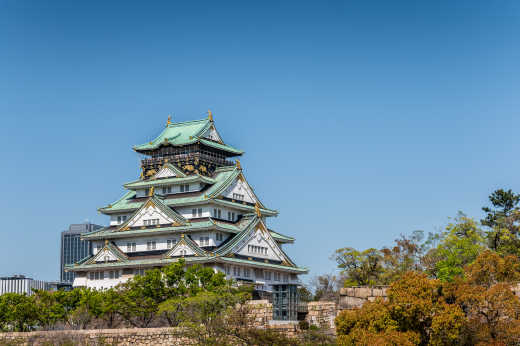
[[184, 157]]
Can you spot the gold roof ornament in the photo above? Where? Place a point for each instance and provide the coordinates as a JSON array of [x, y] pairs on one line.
[[182, 235], [151, 192], [237, 162], [169, 121], [106, 241], [210, 115], [257, 210]]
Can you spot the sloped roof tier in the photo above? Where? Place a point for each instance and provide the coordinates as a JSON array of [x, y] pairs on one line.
[[184, 133], [112, 232], [152, 262], [224, 178], [140, 184]]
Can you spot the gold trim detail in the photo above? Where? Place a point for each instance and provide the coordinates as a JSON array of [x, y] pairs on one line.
[[237, 162], [169, 121], [210, 115]]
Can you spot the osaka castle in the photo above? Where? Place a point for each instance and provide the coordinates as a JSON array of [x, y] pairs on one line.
[[191, 202]]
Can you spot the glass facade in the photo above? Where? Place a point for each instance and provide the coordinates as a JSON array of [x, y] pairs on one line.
[[285, 302], [73, 248]]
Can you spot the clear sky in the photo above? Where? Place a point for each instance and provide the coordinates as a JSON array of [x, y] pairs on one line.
[[360, 120]]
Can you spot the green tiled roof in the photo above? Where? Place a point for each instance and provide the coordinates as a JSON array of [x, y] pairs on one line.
[[224, 177], [195, 259], [140, 184], [178, 134], [233, 260], [281, 238]]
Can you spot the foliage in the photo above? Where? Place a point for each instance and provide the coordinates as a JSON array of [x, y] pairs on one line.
[[503, 221], [403, 257], [478, 307], [359, 267], [458, 245]]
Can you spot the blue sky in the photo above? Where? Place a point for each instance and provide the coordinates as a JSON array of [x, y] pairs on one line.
[[360, 120]]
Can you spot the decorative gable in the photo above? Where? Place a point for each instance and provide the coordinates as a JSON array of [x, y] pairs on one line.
[[169, 171], [109, 253], [213, 135], [185, 247], [153, 213], [257, 242], [240, 190]]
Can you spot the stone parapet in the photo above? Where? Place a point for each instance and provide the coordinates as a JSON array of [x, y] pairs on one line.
[[355, 297]]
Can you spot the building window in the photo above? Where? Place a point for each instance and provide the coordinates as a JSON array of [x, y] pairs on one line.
[[247, 272], [217, 213], [150, 245], [119, 218], [219, 236], [151, 222], [170, 243], [257, 249], [276, 276], [91, 274], [111, 274], [199, 211], [227, 270], [267, 275], [285, 278], [139, 271], [183, 252], [204, 241], [236, 271], [194, 213], [185, 187], [238, 196], [130, 247]]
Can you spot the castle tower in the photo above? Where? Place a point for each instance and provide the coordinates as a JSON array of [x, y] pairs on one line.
[[192, 202]]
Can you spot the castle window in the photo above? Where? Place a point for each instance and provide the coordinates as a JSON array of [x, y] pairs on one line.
[[238, 196], [267, 275], [130, 247], [185, 187], [150, 245], [219, 236], [247, 272], [139, 271], [170, 243], [236, 271]]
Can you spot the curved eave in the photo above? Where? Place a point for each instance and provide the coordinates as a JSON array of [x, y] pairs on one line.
[[139, 184], [114, 234]]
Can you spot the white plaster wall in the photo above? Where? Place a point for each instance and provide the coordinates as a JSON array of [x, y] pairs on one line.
[[105, 283], [187, 213], [141, 243], [113, 219]]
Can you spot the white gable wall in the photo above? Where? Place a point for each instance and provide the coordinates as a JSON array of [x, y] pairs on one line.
[[151, 212], [259, 238], [241, 188], [165, 172], [212, 134]]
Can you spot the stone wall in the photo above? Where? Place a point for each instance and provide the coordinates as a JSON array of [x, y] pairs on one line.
[[322, 315], [261, 312], [123, 337], [355, 297]]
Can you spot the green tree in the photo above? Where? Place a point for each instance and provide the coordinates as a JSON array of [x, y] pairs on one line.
[[18, 312], [360, 267], [502, 219], [140, 298], [458, 245]]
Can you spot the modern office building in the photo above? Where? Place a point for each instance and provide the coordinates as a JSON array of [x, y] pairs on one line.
[[20, 284], [73, 248]]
